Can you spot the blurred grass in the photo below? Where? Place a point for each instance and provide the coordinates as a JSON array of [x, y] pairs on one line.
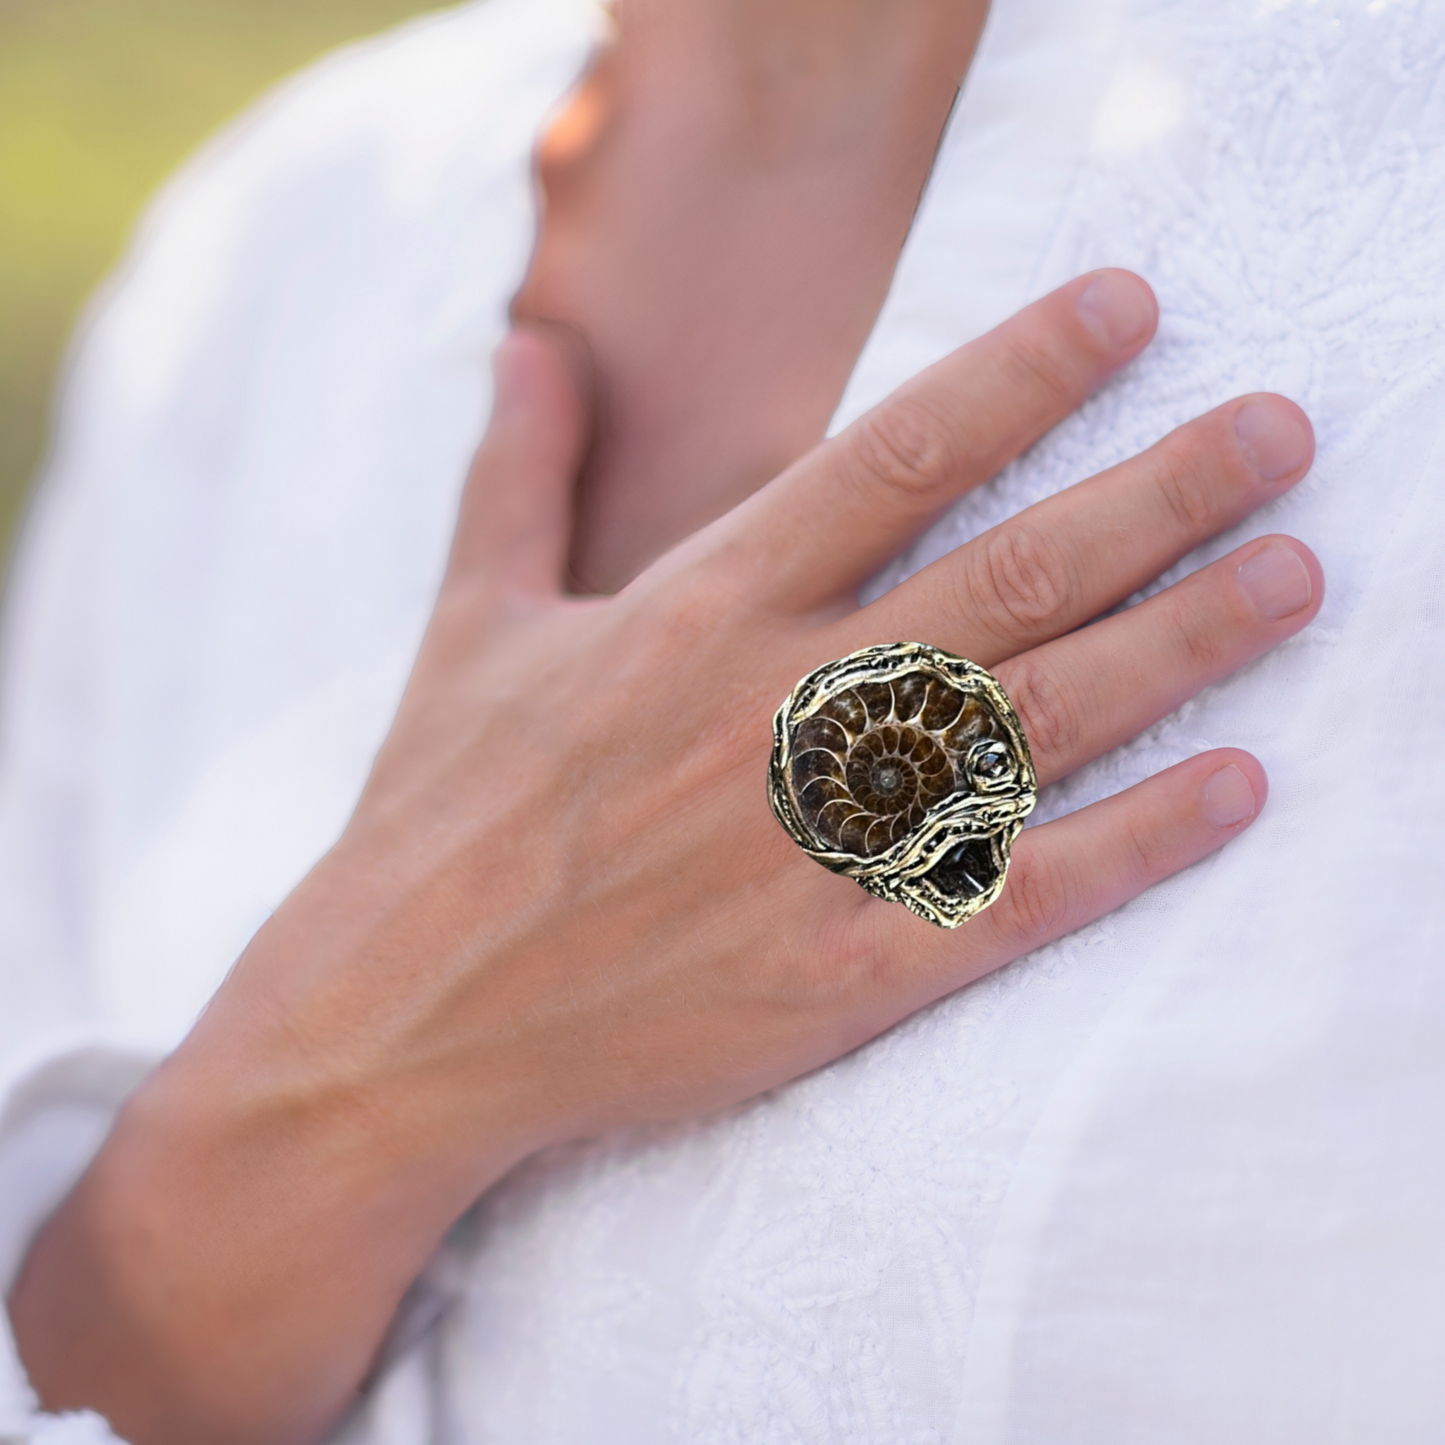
[[99, 99]]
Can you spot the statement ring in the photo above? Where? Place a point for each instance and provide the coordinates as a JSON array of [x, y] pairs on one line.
[[906, 769]]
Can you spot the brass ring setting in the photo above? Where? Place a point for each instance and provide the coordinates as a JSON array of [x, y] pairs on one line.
[[906, 769]]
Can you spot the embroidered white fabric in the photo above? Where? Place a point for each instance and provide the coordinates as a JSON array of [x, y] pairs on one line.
[[1174, 1178]]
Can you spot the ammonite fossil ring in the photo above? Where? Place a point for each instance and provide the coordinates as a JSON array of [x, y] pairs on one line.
[[906, 769]]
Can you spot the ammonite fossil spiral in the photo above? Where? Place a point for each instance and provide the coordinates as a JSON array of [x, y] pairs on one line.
[[905, 768]]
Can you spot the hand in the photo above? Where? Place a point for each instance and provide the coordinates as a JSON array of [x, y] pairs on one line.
[[563, 905]]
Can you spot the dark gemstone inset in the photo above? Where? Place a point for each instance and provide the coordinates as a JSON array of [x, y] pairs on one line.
[[991, 762], [966, 871]]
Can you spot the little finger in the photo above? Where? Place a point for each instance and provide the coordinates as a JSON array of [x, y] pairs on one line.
[[1069, 872]]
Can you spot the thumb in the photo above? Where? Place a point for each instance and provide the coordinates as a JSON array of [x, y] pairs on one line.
[[514, 527]]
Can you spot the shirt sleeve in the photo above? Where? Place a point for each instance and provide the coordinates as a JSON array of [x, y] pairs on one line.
[[56, 1107], [60, 1080], [60, 1083]]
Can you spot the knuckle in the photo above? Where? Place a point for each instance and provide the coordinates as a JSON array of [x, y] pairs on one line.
[[1043, 369], [1049, 710], [464, 607], [1021, 576], [1197, 640], [693, 608], [1041, 905], [1182, 479], [665, 629], [1141, 857], [904, 448], [863, 960]]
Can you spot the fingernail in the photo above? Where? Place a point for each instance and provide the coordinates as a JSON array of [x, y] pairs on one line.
[[1274, 440], [1227, 798], [1276, 582], [1116, 308]]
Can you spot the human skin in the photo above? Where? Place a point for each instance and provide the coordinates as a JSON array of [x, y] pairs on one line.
[[726, 196], [562, 905]]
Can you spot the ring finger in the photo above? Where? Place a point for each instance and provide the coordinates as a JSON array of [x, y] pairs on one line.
[[1082, 694], [1088, 692]]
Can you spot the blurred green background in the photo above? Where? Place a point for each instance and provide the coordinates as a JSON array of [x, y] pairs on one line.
[[99, 99]]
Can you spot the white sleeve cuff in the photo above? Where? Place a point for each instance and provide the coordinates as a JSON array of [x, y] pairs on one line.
[[56, 1108]]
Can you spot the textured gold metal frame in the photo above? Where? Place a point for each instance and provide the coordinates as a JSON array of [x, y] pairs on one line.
[[919, 870]]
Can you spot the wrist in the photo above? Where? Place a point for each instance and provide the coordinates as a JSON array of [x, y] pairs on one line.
[[224, 1271], [331, 1067], [234, 1257]]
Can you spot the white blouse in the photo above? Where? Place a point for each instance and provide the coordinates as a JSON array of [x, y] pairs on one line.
[[1179, 1177]]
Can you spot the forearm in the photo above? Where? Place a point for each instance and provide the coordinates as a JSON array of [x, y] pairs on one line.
[[229, 1265], [184, 1285]]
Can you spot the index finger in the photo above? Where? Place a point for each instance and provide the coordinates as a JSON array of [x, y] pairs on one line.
[[836, 516]]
